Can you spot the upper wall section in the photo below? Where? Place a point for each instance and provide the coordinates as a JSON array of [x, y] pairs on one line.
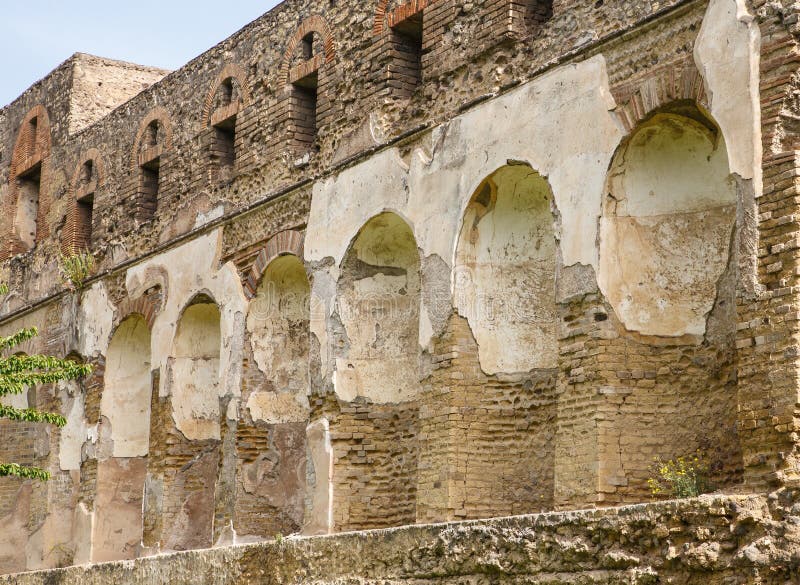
[[100, 85], [237, 117]]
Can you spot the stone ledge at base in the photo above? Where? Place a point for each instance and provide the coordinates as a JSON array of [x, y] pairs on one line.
[[716, 539]]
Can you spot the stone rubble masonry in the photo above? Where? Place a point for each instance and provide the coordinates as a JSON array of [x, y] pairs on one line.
[[312, 133], [711, 540]]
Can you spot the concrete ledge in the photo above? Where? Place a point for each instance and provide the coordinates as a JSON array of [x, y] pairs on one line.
[[711, 539]]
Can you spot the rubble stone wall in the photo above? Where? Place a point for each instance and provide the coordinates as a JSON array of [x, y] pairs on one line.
[[711, 540], [404, 262]]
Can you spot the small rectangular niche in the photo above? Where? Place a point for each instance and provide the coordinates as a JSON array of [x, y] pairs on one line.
[[405, 47], [303, 111], [527, 16], [147, 194], [33, 131], [223, 147], [83, 227], [28, 188]]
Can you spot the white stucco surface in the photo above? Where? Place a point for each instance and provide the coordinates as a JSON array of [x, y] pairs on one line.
[[125, 402], [184, 272], [96, 320], [727, 54]]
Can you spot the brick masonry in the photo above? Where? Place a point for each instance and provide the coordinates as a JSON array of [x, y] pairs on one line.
[[309, 92]]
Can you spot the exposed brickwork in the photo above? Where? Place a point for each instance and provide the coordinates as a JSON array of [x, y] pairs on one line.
[[151, 150], [146, 305], [231, 71], [486, 443], [288, 242], [767, 329], [89, 176], [286, 113], [313, 24], [375, 462], [670, 83], [30, 164]]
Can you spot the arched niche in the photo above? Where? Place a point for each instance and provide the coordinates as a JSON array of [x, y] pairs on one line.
[[506, 271], [25, 399], [278, 324], [195, 371], [124, 437], [378, 303], [667, 219]]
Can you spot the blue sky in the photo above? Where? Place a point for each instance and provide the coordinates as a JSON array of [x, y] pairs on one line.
[[165, 33]]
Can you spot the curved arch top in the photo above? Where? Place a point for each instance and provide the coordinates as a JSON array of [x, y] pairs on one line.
[[162, 116], [229, 71], [637, 100], [143, 306], [314, 23], [94, 156], [281, 244], [381, 15], [504, 271], [670, 198], [24, 149], [31, 150]]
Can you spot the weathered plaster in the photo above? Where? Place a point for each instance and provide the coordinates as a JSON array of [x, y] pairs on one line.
[[323, 294], [194, 374], [15, 531], [278, 324], [118, 509], [272, 407], [671, 198], [75, 433], [95, 320], [727, 53], [190, 270], [562, 126], [505, 272], [319, 516], [125, 402], [378, 303]]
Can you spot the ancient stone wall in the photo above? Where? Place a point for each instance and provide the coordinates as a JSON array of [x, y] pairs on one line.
[[368, 265], [710, 540]]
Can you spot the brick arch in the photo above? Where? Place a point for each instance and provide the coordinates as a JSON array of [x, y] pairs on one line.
[[98, 164], [314, 23], [163, 117], [229, 71], [142, 305], [27, 347], [281, 244], [381, 16], [28, 152], [70, 236], [675, 82]]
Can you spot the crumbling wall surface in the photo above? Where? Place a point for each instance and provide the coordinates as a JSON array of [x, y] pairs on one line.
[[546, 283], [100, 85], [356, 112], [712, 540], [271, 435], [197, 351]]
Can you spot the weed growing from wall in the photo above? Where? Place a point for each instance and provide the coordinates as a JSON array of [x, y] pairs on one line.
[[684, 477]]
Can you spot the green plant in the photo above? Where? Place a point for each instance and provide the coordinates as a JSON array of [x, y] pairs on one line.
[[17, 373], [684, 477], [76, 267]]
